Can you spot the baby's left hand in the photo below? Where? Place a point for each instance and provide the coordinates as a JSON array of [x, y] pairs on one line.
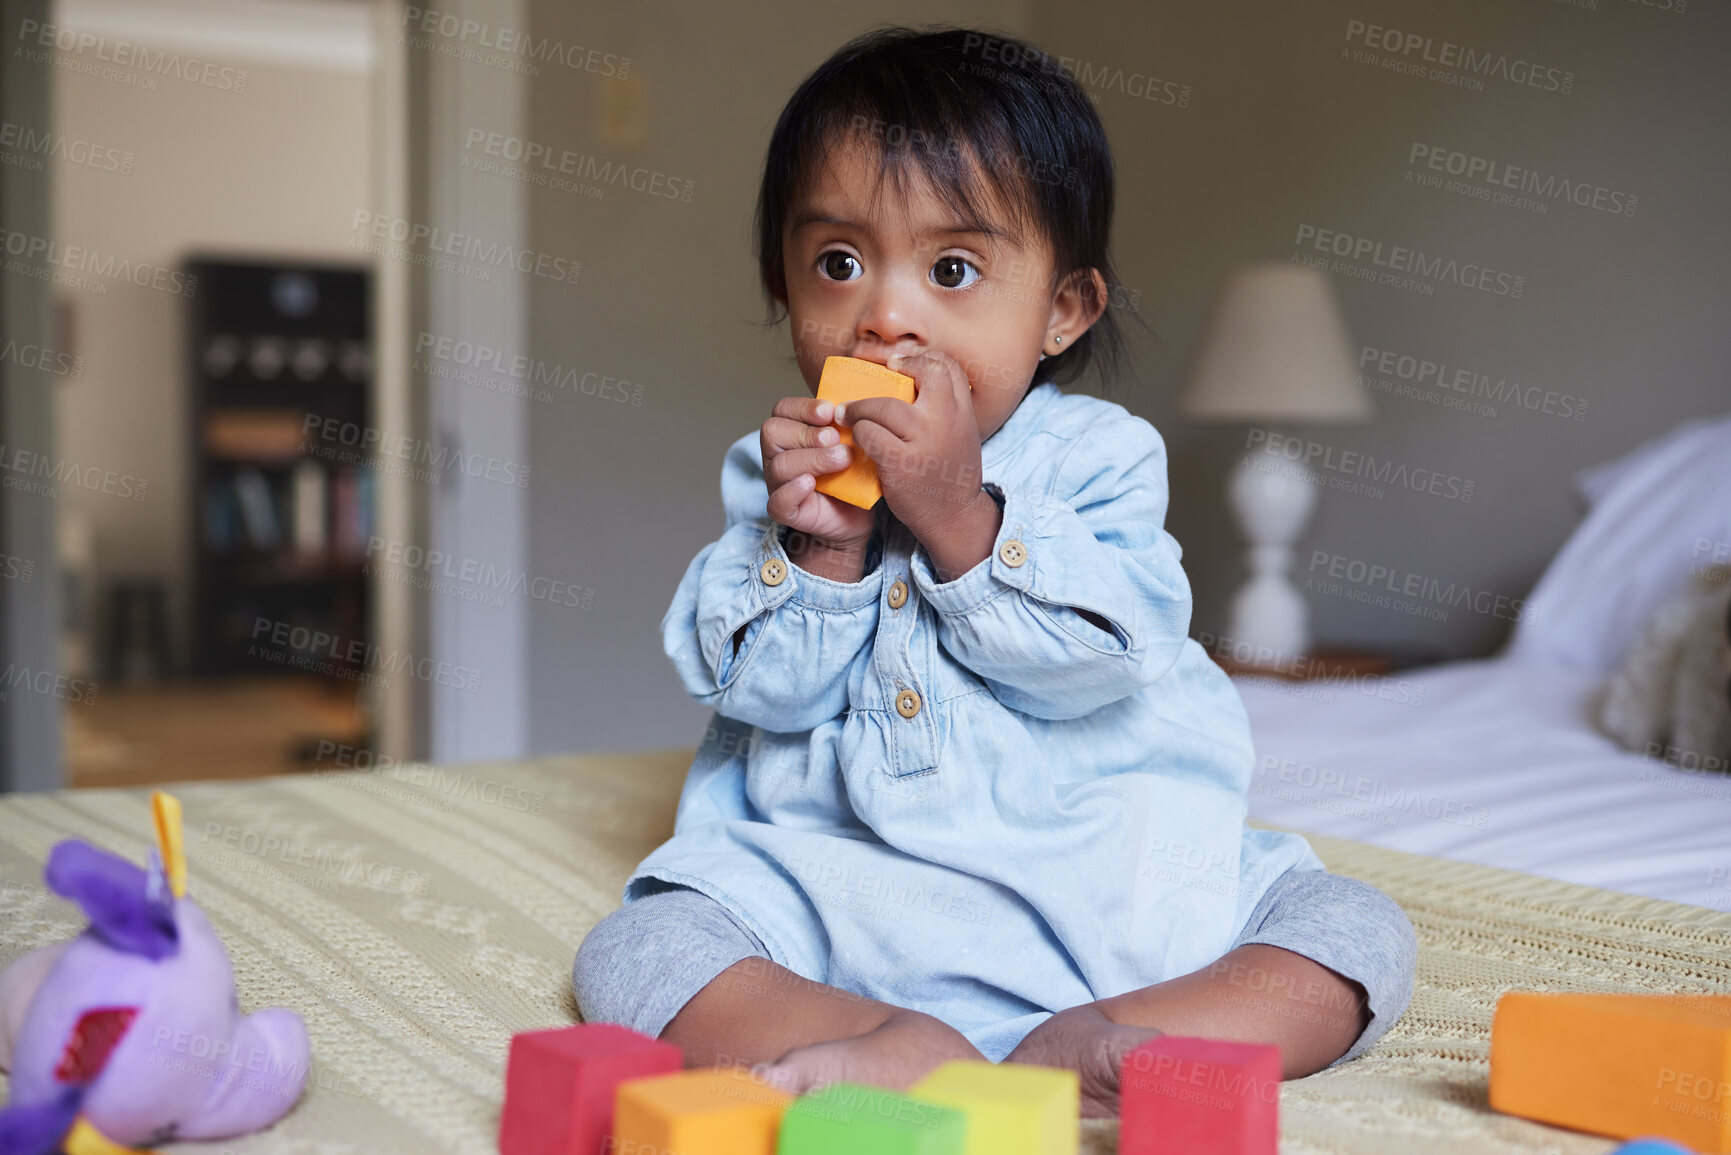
[[927, 454]]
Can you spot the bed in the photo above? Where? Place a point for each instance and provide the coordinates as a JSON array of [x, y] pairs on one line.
[[425, 914], [418, 916], [1499, 761], [1500, 764]]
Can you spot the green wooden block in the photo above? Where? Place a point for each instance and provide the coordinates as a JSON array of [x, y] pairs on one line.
[[854, 1119]]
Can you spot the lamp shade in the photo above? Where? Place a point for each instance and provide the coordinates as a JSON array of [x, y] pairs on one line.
[[1276, 349]]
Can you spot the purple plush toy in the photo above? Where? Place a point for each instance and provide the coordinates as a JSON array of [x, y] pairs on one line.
[[130, 1033]]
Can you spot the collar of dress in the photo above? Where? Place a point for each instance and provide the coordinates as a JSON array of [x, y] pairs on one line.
[[1022, 421]]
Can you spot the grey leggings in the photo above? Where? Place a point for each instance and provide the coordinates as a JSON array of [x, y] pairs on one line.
[[645, 961]]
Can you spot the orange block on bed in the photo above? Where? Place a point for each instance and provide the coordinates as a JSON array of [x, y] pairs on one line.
[[707, 1111], [1615, 1064], [850, 379]]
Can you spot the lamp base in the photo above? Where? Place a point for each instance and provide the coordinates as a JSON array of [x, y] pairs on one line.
[[1272, 498], [1269, 616]]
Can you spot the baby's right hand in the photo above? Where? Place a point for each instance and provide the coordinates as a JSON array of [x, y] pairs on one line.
[[799, 443]]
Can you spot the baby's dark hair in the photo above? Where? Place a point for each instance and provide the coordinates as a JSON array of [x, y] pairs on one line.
[[958, 104]]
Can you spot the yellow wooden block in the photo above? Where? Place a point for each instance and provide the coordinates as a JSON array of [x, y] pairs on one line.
[[1617, 1064], [850, 379], [1011, 1108], [708, 1111]]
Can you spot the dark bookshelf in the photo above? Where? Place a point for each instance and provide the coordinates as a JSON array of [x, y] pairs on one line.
[[279, 354]]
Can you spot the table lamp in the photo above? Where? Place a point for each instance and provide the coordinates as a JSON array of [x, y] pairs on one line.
[[1276, 351]]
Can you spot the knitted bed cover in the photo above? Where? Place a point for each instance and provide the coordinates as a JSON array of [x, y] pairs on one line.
[[418, 916]]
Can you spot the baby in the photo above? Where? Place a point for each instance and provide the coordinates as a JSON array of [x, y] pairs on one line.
[[970, 790]]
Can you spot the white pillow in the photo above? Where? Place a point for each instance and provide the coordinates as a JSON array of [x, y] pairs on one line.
[[1593, 482], [1658, 513]]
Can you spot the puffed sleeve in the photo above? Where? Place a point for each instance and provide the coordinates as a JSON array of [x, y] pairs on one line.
[[1096, 541], [803, 632]]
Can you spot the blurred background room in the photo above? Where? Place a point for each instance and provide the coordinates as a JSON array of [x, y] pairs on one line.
[[368, 366]]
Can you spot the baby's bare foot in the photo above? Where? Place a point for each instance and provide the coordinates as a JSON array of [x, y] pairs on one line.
[[1083, 1040], [896, 1055]]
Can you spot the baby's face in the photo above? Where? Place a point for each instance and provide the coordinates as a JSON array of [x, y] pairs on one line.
[[874, 275]]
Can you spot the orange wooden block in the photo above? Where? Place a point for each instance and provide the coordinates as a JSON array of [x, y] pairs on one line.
[[1619, 1065], [708, 1111], [850, 379]]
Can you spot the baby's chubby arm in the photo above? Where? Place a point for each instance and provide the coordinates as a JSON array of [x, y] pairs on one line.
[[752, 635], [1092, 549]]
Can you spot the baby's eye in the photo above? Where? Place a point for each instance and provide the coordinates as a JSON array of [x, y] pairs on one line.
[[840, 266], [953, 272]]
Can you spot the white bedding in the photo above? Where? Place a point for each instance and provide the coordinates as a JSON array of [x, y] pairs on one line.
[[1494, 762]]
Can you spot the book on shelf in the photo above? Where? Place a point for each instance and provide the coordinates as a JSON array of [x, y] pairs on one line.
[[258, 513], [311, 514], [352, 511], [366, 514], [343, 499], [221, 517]]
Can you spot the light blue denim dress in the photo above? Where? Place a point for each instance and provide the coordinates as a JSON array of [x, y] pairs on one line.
[[966, 798]]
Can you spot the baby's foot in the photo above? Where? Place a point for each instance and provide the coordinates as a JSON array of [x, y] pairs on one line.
[[1083, 1040], [896, 1055]]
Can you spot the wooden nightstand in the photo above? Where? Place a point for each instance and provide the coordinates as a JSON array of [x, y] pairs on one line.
[[1334, 663]]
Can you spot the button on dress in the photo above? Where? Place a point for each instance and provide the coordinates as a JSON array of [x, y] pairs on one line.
[[965, 797]]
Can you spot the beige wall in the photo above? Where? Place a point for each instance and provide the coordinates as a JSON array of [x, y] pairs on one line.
[[1286, 128], [276, 170]]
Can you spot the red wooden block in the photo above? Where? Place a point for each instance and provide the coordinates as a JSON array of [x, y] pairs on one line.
[[559, 1085], [1180, 1095]]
